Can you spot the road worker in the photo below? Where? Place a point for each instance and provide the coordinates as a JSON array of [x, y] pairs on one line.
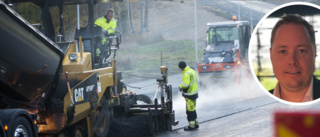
[[189, 88], [108, 25]]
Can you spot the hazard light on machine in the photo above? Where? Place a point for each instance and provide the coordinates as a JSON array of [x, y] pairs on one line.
[[296, 124]]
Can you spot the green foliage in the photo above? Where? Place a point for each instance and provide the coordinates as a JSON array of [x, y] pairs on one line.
[[32, 13], [317, 72], [29, 11], [147, 58], [269, 83]]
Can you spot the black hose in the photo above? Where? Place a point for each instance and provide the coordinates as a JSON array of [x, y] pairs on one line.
[[139, 87], [138, 76]]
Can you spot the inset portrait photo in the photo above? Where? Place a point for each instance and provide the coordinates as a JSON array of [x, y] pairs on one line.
[[283, 53]]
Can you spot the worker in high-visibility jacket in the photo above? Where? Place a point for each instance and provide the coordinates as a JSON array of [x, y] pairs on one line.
[[213, 37], [189, 87], [209, 37], [107, 23]]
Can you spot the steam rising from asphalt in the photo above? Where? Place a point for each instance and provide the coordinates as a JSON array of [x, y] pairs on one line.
[[218, 91]]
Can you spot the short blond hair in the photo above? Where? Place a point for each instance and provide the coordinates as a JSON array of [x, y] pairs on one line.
[[110, 10], [294, 19]]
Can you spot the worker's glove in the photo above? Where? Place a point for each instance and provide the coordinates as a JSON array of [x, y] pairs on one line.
[[107, 33], [104, 31]]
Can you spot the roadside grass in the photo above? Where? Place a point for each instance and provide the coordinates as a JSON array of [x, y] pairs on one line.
[[145, 60]]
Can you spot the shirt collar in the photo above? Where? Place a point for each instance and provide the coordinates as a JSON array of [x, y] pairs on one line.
[[307, 97], [309, 94]]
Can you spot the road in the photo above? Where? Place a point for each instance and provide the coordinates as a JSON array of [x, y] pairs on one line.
[[221, 106], [252, 11], [252, 117], [226, 108]]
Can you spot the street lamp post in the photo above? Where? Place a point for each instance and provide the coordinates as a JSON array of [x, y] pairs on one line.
[[195, 28]]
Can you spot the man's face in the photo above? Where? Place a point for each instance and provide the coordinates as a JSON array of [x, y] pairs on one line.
[[293, 57], [109, 15]]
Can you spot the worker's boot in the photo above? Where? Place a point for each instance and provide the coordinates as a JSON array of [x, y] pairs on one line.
[[191, 126], [197, 124]]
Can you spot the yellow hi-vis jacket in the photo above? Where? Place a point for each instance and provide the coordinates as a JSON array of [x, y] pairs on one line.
[[209, 35], [110, 27], [190, 82]]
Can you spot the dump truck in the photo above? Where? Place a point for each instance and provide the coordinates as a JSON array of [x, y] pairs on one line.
[[226, 50], [56, 88]]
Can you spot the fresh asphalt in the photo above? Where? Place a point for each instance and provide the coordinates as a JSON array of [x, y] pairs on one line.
[[226, 108]]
